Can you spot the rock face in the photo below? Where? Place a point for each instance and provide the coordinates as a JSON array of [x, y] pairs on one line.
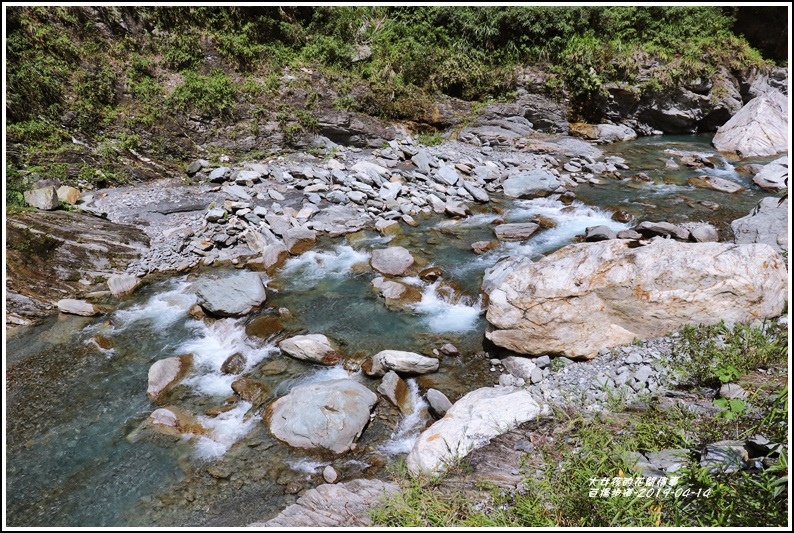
[[328, 415], [165, 374], [399, 361], [589, 296], [232, 296], [469, 424], [45, 198], [530, 184], [341, 505], [767, 223], [315, 348], [394, 260], [773, 176], [760, 128]]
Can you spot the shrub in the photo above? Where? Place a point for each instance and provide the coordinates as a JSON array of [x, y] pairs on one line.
[[212, 94]]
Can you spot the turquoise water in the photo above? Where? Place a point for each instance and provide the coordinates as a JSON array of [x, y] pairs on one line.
[[76, 458]]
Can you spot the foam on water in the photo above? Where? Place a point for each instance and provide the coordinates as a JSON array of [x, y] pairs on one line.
[[442, 316], [211, 345], [569, 224], [225, 429], [161, 310], [408, 429], [305, 466], [315, 265]]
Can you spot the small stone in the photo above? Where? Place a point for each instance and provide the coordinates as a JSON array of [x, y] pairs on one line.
[[330, 475], [450, 349], [543, 361], [732, 391]]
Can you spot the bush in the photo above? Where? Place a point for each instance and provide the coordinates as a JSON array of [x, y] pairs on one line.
[[213, 94]]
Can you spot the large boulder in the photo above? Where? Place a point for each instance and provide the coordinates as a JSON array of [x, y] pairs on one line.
[[399, 361], [469, 424], [232, 296], [315, 348], [760, 128], [767, 223], [328, 415], [394, 260], [530, 184], [589, 296], [299, 240]]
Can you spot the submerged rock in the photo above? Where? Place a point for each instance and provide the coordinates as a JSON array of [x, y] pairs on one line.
[[470, 424], [589, 296], [328, 415]]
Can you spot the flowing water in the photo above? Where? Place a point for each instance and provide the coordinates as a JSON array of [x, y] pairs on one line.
[[76, 387]]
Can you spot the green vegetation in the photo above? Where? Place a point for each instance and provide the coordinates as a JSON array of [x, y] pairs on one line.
[[711, 355], [145, 70], [559, 487]]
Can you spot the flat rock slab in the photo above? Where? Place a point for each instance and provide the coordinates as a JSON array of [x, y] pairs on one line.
[[589, 296], [399, 361], [340, 505], [469, 424], [515, 232], [328, 415], [76, 307], [233, 296], [530, 184], [716, 184]]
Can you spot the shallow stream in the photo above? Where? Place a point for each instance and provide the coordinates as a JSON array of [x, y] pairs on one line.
[[76, 387]]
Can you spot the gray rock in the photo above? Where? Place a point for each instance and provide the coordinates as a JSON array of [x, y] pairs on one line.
[[76, 307], [396, 391], [236, 191], [470, 424], [629, 234], [122, 285], [314, 347], [515, 232], [450, 350], [664, 229], [330, 475], [509, 380], [45, 198], [767, 223], [299, 240], [530, 184], [333, 505], [542, 361], [447, 175], [599, 233], [438, 402], [328, 415], [537, 375], [643, 373], [732, 391], [724, 457], [634, 358], [399, 361], [214, 215], [275, 195], [196, 165], [235, 295], [773, 176], [704, 233], [422, 161], [716, 184], [394, 260], [520, 367], [220, 174], [760, 128], [166, 374]]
